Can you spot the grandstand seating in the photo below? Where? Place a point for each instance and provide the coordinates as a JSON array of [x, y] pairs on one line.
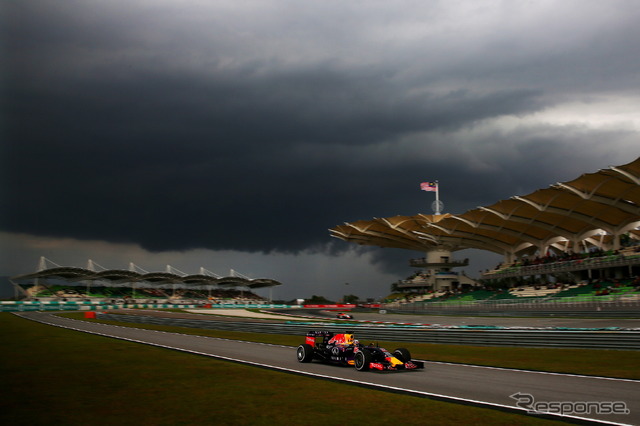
[[605, 289], [580, 290], [559, 293], [504, 295], [471, 296], [534, 291], [565, 262], [62, 292]]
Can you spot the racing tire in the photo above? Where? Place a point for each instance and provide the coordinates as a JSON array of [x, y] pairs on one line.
[[402, 354], [362, 360], [304, 353]]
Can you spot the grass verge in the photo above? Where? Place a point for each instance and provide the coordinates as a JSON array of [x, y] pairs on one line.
[[57, 376]]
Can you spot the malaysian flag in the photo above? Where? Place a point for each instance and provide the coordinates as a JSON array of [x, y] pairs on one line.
[[429, 186]]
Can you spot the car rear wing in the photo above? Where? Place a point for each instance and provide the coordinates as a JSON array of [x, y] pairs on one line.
[[318, 333], [311, 336]]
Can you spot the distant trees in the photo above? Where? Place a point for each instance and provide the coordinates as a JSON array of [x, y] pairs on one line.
[[317, 300], [350, 298]]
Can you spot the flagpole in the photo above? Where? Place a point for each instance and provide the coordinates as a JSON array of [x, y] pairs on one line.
[[433, 186], [437, 209]]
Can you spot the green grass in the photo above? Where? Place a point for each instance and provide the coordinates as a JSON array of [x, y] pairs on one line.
[[57, 376]]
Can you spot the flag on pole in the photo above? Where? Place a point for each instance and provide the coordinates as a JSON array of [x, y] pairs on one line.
[[429, 186]]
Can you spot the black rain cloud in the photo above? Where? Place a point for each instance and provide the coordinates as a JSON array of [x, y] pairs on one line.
[[175, 131]]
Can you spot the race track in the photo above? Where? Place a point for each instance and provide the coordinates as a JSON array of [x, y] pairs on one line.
[[480, 385]]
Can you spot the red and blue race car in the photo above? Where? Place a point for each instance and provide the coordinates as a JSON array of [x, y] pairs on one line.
[[343, 349]]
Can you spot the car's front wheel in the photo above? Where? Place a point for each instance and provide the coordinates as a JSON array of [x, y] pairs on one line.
[[362, 360], [304, 353], [402, 354]]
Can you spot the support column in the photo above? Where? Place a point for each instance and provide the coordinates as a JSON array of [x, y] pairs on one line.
[[616, 242]]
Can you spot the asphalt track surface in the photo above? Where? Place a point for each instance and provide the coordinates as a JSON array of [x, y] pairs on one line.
[[483, 386]]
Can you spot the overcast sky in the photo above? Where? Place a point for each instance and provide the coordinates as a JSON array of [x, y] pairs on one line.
[[234, 134]]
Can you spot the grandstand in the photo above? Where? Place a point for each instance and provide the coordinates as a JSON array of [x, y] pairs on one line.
[[571, 241], [52, 282]]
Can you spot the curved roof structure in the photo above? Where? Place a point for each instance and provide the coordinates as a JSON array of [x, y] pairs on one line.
[[151, 279], [591, 210]]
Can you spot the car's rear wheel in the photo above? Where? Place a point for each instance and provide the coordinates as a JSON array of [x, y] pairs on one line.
[[362, 360], [402, 354], [304, 353]]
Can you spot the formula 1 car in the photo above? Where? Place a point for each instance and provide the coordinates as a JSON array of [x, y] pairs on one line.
[[342, 315], [343, 349]]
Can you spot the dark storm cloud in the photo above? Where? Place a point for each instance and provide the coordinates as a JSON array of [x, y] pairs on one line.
[[179, 130]]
